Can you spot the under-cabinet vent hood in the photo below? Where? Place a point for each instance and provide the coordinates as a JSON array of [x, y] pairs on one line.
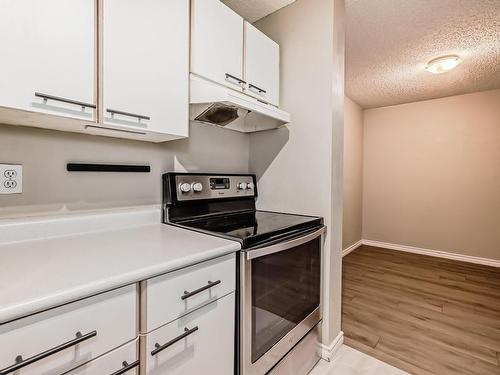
[[214, 104]]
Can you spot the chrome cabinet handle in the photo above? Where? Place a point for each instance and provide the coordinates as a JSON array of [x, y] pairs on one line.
[[47, 97], [186, 333], [115, 112], [239, 80], [126, 367], [199, 290], [261, 91], [20, 362]]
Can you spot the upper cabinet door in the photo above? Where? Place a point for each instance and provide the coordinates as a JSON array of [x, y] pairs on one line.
[[146, 65], [48, 62], [262, 65], [217, 43]]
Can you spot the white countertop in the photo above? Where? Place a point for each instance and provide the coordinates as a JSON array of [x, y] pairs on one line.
[[80, 258]]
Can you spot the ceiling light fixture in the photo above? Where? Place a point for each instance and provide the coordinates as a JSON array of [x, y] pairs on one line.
[[443, 64]]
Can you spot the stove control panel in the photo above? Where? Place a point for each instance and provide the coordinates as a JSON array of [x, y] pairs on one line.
[[200, 186]]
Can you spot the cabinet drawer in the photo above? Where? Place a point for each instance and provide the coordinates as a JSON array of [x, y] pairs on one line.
[[113, 363], [201, 342], [60, 339], [164, 298]]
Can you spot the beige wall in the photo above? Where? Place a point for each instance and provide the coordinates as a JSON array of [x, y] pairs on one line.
[[47, 187], [353, 174], [294, 165], [432, 174]]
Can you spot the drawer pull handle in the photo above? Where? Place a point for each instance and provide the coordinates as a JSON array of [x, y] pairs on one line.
[[47, 97], [199, 290], [186, 333], [20, 363], [126, 367], [258, 89], [239, 80], [113, 112]]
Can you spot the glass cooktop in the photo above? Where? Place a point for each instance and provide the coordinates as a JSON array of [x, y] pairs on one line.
[[252, 228]]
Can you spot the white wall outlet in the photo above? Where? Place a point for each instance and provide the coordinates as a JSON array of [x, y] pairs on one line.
[[11, 179]]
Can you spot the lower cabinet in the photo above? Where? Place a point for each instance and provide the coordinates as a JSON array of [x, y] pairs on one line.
[[100, 335], [168, 297], [58, 340], [121, 361], [201, 342]]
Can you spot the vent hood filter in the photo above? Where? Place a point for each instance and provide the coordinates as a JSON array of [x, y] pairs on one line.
[[218, 114], [215, 104]]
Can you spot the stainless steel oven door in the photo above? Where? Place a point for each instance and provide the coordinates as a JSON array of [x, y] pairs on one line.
[[280, 299]]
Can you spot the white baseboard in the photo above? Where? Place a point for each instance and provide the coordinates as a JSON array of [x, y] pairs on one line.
[[329, 351], [353, 247], [434, 253]]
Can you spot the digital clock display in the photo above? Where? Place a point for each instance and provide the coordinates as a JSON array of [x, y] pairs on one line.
[[219, 183]]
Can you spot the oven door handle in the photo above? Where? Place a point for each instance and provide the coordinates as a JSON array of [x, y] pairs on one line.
[[252, 254]]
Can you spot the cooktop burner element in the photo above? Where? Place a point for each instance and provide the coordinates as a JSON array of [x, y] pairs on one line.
[[224, 205], [252, 228]]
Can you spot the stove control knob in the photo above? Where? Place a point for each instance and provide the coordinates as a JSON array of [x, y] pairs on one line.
[[197, 187], [242, 185], [185, 187], [250, 185]]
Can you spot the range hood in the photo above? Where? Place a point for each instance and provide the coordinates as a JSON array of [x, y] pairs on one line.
[[214, 104]]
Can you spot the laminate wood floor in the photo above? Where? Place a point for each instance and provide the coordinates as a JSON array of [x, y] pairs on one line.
[[424, 315]]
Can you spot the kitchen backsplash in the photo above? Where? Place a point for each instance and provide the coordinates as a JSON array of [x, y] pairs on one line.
[[48, 187]]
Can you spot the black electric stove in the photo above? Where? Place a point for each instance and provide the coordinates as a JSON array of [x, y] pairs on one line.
[[278, 270], [224, 205]]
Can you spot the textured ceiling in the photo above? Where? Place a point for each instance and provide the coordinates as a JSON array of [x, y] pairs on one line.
[[388, 43], [253, 10]]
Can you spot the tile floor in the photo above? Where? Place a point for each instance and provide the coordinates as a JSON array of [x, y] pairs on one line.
[[349, 361]]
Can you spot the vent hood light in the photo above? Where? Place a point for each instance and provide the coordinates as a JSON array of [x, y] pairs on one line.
[[443, 64]]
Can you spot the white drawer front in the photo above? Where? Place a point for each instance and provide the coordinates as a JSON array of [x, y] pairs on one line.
[[108, 320], [208, 350], [113, 362], [162, 297]]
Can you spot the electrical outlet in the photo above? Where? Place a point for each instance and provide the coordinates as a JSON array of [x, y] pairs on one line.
[[10, 184], [10, 174], [11, 179]]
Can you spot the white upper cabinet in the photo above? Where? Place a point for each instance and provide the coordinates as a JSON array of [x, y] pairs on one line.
[[146, 66], [47, 61], [121, 68], [230, 51], [217, 43], [262, 65]]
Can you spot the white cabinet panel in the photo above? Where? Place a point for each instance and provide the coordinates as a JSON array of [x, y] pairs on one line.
[[146, 65], [262, 65], [103, 322], [112, 362], [207, 348], [48, 47], [216, 43], [163, 295]]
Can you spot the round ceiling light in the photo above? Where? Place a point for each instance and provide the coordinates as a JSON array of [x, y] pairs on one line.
[[443, 64]]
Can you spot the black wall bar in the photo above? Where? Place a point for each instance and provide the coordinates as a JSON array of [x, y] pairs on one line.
[[82, 167]]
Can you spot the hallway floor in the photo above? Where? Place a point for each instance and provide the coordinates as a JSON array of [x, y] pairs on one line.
[[424, 315]]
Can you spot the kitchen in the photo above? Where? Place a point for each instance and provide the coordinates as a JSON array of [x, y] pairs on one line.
[[144, 198], [129, 121]]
